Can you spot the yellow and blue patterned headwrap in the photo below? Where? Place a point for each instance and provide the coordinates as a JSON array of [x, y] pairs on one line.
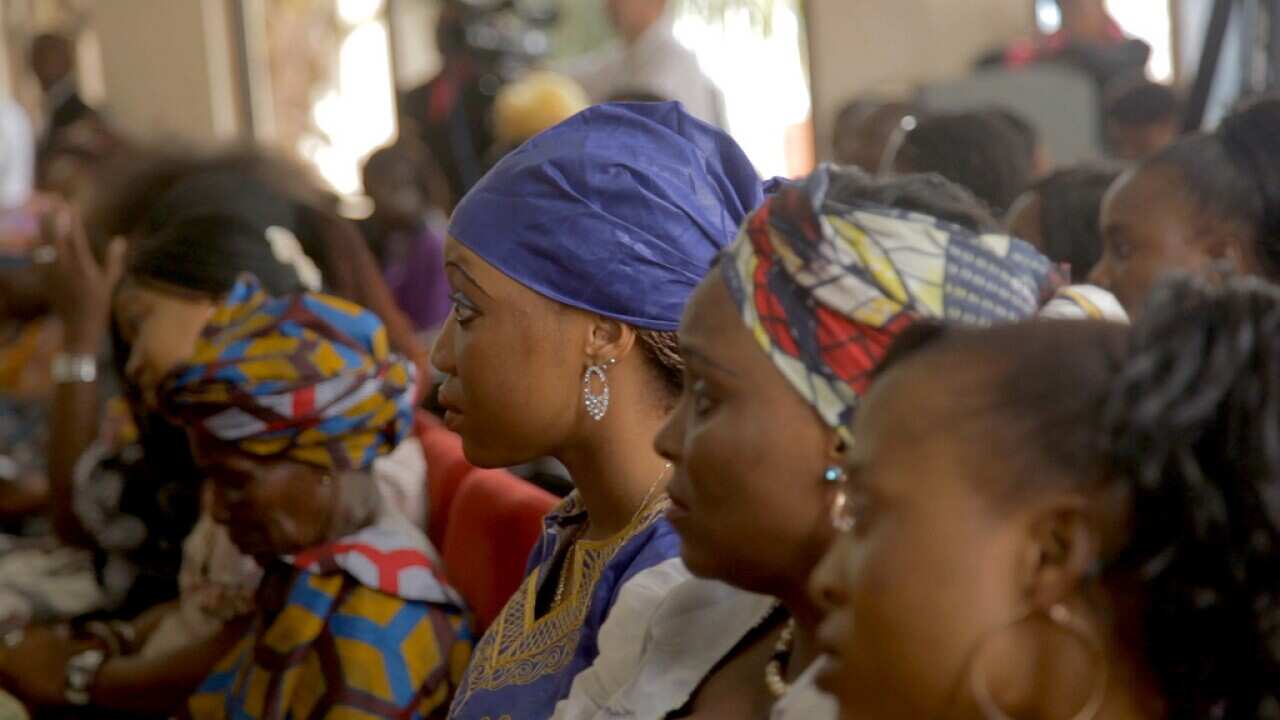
[[309, 376], [825, 284]]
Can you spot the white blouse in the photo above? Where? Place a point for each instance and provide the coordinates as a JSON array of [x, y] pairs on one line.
[[655, 656]]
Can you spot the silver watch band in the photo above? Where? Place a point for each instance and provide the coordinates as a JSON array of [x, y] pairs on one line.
[[70, 368], [82, 670]]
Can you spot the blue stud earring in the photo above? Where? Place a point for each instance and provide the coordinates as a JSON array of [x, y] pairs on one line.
[[834, 474]]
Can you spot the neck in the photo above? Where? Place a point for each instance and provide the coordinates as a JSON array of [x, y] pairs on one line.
[[633, 35], [614, 468], [357, 505]]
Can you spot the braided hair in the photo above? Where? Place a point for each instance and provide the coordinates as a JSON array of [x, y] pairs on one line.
[[1193, 427], [1180, 418]]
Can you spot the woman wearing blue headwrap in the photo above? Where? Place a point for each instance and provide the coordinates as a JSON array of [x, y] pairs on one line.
[[571, 263]]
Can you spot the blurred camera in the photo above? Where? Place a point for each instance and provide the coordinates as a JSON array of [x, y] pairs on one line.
[[502, 36]]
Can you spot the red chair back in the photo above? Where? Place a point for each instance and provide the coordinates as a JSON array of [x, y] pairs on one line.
[[447, 467], [494, 521]]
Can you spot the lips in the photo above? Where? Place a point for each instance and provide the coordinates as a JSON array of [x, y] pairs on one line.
[[678, 509], [452, 415], [831, 668]]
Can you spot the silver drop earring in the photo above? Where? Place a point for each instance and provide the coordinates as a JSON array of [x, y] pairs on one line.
[[597, 405]]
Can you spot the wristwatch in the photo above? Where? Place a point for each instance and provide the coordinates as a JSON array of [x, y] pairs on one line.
[[82, 670], [71, 368]]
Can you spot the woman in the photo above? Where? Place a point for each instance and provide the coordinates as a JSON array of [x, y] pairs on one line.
[[287, 403], [570, 264], [132, 502], [136, 490], [1064, 520], [1208, 205], [779, 343]]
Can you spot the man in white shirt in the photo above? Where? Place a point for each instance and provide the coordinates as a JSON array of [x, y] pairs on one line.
[[648, 62]]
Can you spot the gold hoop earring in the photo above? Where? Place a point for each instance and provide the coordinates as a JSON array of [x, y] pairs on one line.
[[1061, 618]]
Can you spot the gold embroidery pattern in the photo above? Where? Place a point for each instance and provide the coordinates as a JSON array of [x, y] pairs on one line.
[[519, 649]]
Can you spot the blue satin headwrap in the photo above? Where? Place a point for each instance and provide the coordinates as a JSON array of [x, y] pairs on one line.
[[620, 210]]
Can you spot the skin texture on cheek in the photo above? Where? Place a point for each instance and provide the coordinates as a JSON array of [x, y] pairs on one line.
[[515, 364], [749, 454], [927, 574]]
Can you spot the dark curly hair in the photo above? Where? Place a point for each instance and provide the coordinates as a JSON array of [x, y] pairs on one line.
[[1181, 419], [1193, 425], [980, 150], [1070, 214], [926, 193]]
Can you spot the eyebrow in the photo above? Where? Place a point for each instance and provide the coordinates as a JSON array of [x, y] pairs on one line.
[[693, 353], [463, 272]]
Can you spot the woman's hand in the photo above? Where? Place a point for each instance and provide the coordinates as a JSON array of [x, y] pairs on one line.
[[80, 289], [35, 670]]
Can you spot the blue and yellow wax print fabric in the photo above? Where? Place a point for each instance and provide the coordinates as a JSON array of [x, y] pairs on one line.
[[308, 376], [366, 631], [825, 284]]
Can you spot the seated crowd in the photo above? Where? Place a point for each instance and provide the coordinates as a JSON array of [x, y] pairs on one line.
[[929, 433]]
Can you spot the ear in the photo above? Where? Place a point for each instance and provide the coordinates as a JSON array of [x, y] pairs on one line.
[[1227, 256], [1061, 548], [837, 448], [608, 339]]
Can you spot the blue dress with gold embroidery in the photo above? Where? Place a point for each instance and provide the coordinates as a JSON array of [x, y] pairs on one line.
[[525, 664]]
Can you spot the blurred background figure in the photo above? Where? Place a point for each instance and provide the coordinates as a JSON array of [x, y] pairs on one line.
[[54, 66], [1141, 119], [407, 228], [535, 103], [981, 151], [864, 129], [1061, 215], [648, 58]]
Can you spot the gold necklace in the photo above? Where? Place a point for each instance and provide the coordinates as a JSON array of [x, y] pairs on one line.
[[781, 656], [570, 551]]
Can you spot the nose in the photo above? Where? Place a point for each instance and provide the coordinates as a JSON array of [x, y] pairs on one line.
[[670, 438], [825, 586], [1100, 275], [219, 506], [442, 356], [133, 367]]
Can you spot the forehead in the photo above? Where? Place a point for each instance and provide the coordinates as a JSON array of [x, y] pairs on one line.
[[931, 402], [476, 268], [1140, 193]]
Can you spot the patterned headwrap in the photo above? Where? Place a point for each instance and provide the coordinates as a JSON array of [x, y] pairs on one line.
[[825, 285], [307, 376], [620, 210]]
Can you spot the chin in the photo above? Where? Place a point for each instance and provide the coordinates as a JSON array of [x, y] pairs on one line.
[[702, 562]]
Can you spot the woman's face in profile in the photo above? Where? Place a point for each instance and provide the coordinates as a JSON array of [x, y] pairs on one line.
[[928, 569]]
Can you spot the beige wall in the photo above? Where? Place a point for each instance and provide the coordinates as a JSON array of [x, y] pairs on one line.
[[890, 46], [167, 68]]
